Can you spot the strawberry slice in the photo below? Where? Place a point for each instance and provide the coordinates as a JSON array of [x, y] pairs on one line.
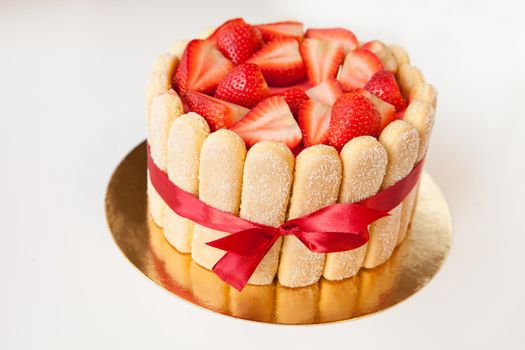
[[383, 52], [218, 113], [326, 92], [386, 110], [352, 115], [359, 66], [383, 84], [314, 121], [321, 58], [244, 86], [238, 41], [295, 97], [277, 90], [202, 68], [271, 31], [270, 120], [281, 62], [341, 36], [213, 37]]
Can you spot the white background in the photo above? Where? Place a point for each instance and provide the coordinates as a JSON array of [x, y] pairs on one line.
[[72, 81]]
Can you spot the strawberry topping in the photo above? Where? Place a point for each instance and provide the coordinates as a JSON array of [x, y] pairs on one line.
[[341, 36], [352, 115], [358, 68], [322, 59], [238, 41], [295, 97], [271, 31], [270, 120], [218, 113], [202, 68], [314, 121], [385, 109], [280, 62], [244, 86], [383, 84], [327, 92]]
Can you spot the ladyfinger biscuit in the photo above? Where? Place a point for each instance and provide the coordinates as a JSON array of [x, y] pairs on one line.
[[401, 142], [165, 62], [424, 92], [220, 182], [408, 76], [158, 83], [400, 54], [364, 162], [316, 184], [177, 49], [421, 116], [267, 181], [165, 108], [185, 140]]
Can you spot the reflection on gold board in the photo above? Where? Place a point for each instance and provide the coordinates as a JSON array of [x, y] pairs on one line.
[[410, 268]]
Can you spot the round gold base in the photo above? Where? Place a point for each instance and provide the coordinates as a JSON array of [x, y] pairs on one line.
[[410, 268]]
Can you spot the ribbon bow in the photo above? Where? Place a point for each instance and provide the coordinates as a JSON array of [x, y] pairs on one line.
[[334, 228]]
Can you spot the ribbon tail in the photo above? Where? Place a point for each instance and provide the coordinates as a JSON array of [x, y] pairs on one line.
[[236, 269], [246, 243]]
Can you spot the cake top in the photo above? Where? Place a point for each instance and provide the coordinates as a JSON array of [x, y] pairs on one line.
[[277, 82]]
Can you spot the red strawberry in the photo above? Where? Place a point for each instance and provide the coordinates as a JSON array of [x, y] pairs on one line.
[[202, 68], [326, 92], [219, 114], [238, 41], [386, 110], [383, 52], [280, 62], [213, 37], [314, 120], [276, 90], [322, 59], [295, 97], [383, 84], [358, 68], [352, 115], [244, 86], [270, 120], [341, 36], [271, 31]]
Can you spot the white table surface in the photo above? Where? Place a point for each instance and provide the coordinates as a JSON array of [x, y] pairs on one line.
[[72, 81]]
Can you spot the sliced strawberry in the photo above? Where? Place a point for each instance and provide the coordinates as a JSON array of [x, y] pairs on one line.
[[359, 66], [281, 62], [244, 86], [314, 121], [352, 115], [270, 120], [321, 58], [386, 110], [326, 92], [295, 97], [341, 36], [383, 84], [218, 113], [213, 37], [276, 90], [271, 31], [238, 41], [202, 68]]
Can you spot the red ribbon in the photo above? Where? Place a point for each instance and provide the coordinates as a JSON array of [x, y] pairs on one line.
[[334, 228]]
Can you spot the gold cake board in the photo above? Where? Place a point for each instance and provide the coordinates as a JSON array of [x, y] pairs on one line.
[[410, 268]]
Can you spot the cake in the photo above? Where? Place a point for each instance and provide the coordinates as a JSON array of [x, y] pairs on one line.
[[271, 122]]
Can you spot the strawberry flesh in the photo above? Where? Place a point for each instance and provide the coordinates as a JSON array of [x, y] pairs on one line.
[[244, 86], [352, 115], [314, 121], [327, 92], [383, 84], [321, 58], [218, 113], [281, 62], [271, 31], [238, 41], [202, 68], [386, 110], [359, 66], [270, 120], [340, 36]]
